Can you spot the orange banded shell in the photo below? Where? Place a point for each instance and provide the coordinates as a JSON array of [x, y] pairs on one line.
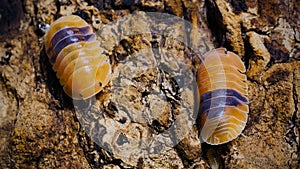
[[76, 57], [223, 89]]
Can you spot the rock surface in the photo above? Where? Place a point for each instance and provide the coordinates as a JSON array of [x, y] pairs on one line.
[[145, 117]]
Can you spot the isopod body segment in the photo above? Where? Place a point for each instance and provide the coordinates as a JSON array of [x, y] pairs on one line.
[[223, 95], [76, 57]]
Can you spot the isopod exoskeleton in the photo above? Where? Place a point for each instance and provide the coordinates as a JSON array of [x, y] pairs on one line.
[[76, 57], [223, 95]]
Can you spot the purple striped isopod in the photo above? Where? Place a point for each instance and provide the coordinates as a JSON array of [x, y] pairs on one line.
[[223, 94], [76, 57]]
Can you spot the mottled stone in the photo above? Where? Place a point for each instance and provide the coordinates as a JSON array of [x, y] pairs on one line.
[[162, 160], [259, 56], [174, 6], [157, 5], [272, 112], [143, 112]]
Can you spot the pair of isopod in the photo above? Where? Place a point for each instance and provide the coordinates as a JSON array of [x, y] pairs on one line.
[[83, 71]]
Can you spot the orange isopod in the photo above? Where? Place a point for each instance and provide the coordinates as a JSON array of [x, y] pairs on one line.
[[76, 57], [223, 95]]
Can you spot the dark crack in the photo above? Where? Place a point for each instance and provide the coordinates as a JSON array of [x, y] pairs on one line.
[[215, 22]]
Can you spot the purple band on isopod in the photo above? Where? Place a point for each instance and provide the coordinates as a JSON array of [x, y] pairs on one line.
[[67, 41], [68, 31], [220, 98]]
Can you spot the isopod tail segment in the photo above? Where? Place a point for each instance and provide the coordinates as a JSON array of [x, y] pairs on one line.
[[76, 57], [223, 95]]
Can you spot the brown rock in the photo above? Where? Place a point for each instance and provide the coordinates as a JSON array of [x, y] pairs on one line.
[[145, 117]]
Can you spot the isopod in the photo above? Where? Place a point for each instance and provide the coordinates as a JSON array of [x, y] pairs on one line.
[[223, 95], [76, 57]]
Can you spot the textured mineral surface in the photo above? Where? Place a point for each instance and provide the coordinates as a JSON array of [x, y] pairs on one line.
[[146, 116]]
